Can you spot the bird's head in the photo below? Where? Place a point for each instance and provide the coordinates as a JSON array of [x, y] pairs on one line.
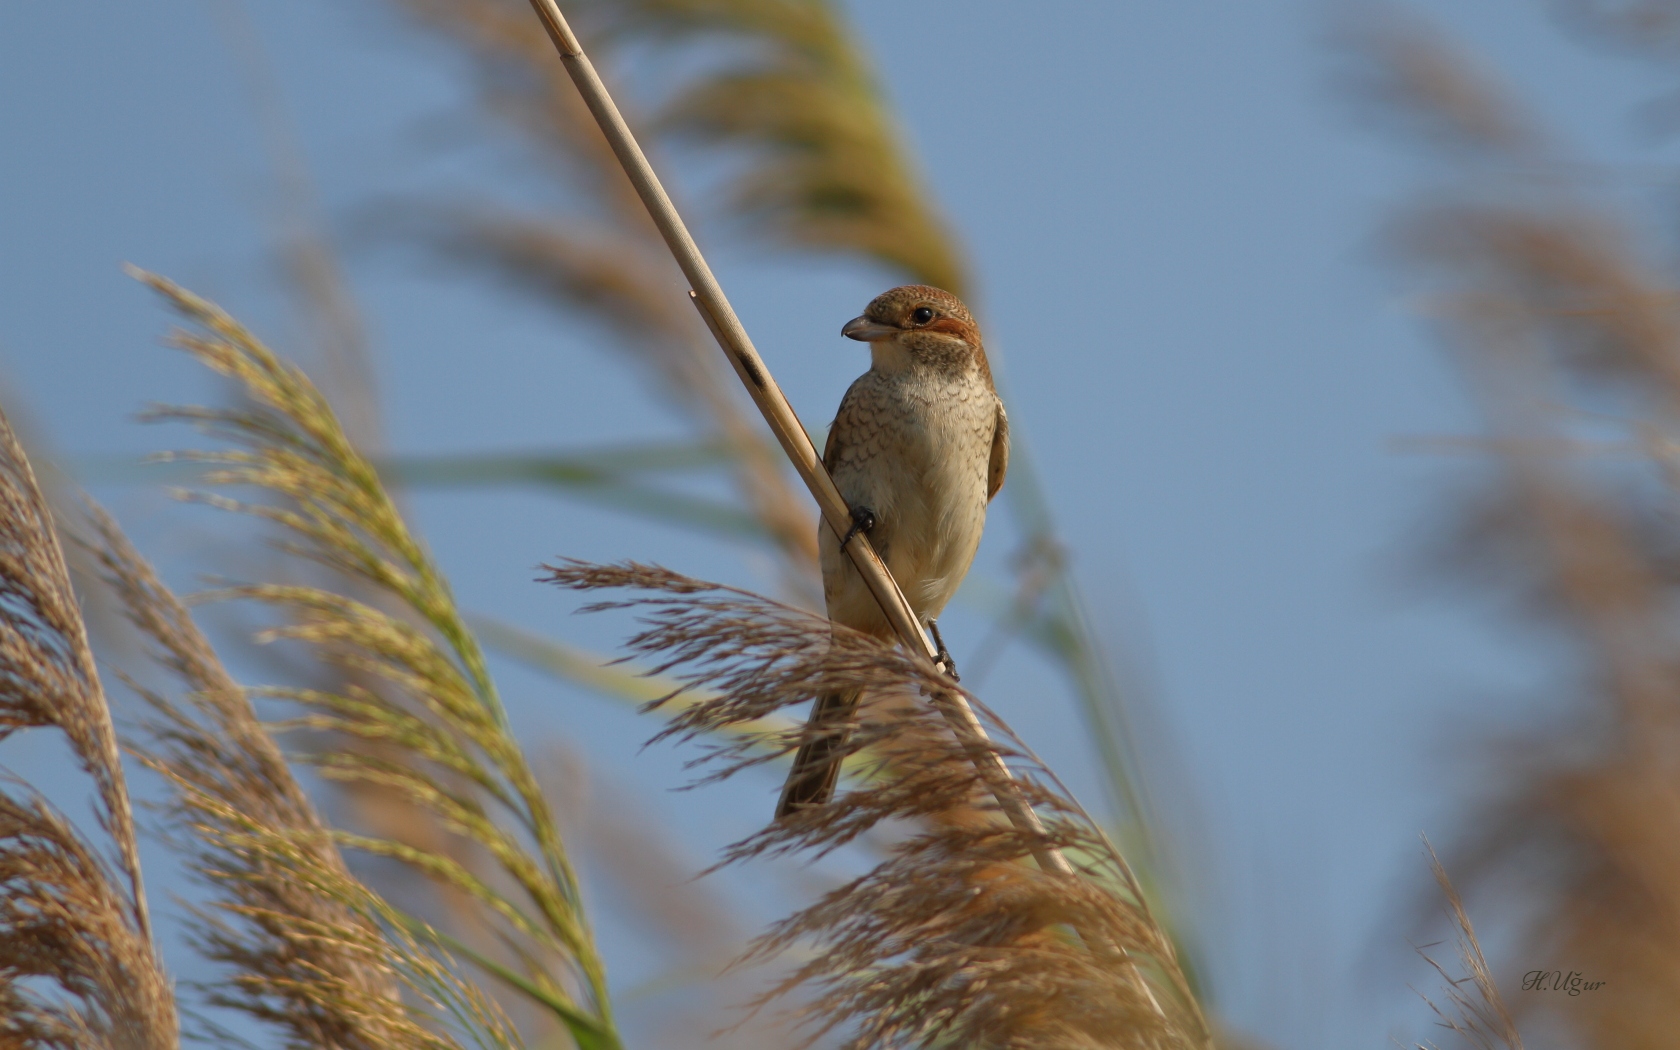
[[915, 323]]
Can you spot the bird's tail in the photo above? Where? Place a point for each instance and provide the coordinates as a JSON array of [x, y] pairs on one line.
[[816, 768]]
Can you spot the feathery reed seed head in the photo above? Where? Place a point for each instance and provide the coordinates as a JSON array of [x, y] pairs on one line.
[[954, 937], [307, 948], [62, 915], [418, 690]]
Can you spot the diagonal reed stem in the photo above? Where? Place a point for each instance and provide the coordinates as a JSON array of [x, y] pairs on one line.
[[726, 327]]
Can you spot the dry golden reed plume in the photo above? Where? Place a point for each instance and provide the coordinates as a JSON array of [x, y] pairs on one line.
[[307, 948], [831, 170], [62, 918], [1479, 1016], [604, 261], [445, 743], [954, 939], [1569, 341], [64, 915]]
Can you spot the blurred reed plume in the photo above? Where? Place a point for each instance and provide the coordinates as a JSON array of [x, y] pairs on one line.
[[1567, 335], [426, 699], [953, 939], [829, 166], [604, 261], [77, 964], [306, 947]]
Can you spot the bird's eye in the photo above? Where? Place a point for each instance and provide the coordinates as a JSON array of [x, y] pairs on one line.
[[922, 315]]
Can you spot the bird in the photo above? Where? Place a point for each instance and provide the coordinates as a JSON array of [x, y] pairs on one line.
[[918, 448]]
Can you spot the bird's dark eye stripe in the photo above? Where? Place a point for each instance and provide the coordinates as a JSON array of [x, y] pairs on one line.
[[922, 315]]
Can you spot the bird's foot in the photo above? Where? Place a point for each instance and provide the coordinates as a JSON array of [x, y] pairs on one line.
[[944, 653], [863, 520]]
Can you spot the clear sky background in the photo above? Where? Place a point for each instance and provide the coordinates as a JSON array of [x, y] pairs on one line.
[[1175, 221]]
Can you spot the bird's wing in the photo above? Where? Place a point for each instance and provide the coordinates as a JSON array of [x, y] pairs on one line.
[[831, 447], [999, 465]]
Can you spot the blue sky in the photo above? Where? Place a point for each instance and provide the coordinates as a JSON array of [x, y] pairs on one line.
[[1175, 222]]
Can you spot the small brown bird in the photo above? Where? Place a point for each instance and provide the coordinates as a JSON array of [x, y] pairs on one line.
[[919, 448]]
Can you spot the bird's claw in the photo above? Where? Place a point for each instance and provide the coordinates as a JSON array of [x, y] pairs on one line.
[[863, 520], [944, 656]]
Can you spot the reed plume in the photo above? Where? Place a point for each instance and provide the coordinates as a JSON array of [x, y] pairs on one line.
[[66, 917], [953, 939], [830, 169], [1479, 1016], [601, 260], [63, 919], [307, 948], [1567, 337], [446, 745]]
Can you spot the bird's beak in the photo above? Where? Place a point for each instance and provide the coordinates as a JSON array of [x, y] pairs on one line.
[[866, 331]]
